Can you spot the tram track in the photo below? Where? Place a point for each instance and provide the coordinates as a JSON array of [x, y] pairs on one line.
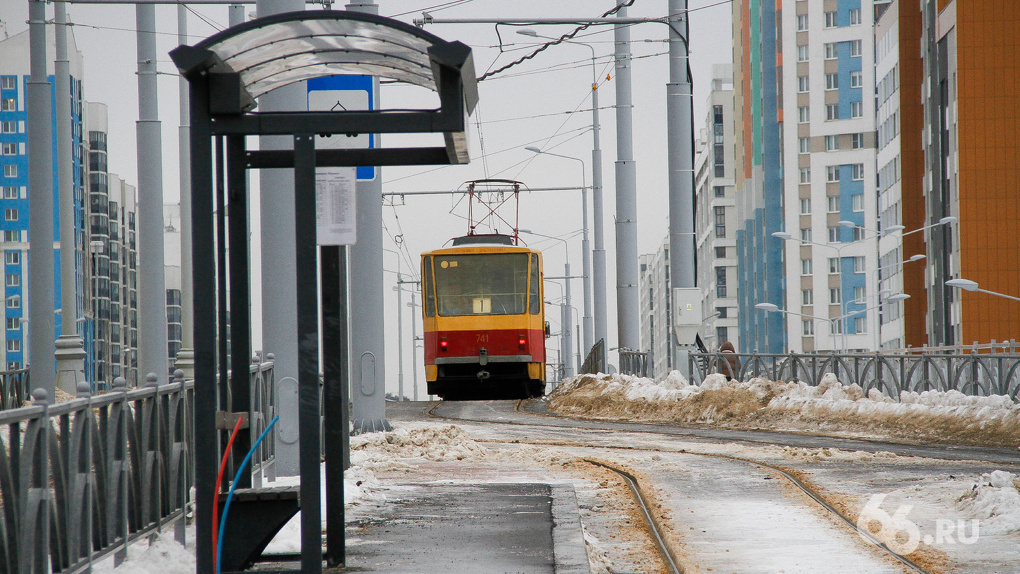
[[638, 490]]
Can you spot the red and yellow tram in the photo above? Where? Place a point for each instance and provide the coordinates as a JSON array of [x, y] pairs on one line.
[[484, 319]]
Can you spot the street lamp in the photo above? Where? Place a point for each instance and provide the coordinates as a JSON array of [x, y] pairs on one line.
[[847, 314], [565, 341], [772, 308], [598, 254], [586, 321], [968, 285], [944, 221]]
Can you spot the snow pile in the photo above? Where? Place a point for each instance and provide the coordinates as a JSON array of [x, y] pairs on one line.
[[761, 403], [429, 442], [995, 500]]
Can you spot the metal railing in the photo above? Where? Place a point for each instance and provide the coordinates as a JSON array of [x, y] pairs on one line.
[[83, 479], [595, 362], [633, 363], [13, 388], [976, 373]]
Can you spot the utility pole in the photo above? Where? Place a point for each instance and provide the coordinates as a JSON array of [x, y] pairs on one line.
[[627, 302], [400, 337]]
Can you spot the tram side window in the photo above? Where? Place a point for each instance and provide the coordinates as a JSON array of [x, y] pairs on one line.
[[535, 303], [430, 291], [482, 284]]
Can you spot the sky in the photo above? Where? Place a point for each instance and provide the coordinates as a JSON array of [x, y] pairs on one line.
[[544, 102]]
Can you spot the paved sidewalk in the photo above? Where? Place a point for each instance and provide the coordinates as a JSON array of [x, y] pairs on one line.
[[478, 528]]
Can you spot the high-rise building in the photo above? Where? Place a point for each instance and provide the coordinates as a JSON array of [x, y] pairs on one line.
[[715, 227], [971, 146], [654, 300], [172, 276], [14, 72], [112, 259]]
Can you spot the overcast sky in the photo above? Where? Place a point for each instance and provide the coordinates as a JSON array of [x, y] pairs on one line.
[[527, 105]]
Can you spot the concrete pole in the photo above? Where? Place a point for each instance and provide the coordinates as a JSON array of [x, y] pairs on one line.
[[568, 370], [400, 336], [152, 336], [414, 346], [368, 353], [598, 254], [586, 321], [186, 355], [70, 349], [627, 302], [680, 153], [279, 288], [40, 216]]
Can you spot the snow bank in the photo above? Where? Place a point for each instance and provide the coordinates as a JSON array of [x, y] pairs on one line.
[[830, 406], [995, 500]]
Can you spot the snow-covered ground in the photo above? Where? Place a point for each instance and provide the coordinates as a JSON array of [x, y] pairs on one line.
[[952, 516], [830, 407]]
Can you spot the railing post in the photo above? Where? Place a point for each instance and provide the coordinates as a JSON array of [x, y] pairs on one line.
[[34, 538]]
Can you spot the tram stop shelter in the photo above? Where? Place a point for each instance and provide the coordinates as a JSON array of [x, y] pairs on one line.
[[226, 73]]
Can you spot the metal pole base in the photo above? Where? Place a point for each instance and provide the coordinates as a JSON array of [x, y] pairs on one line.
[[70, 352], [185, 361]]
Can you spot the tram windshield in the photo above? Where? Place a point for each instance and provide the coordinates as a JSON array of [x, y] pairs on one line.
[[481, 284]]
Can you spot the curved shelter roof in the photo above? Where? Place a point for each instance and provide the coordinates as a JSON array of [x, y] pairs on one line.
[[278, 50]]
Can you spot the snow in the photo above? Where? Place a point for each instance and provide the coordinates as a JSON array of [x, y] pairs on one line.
[[995, 500], [830, 406]]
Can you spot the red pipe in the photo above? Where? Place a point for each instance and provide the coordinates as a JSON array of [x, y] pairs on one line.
[[219, 479]]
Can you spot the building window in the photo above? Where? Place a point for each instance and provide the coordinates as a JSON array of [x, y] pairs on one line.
[[834, 296], [856, 79], [721, 311], [802, 53], [720, 160], [833, 203], [9, 82], [861, 325], [14, 302], [802, 22], [855, 48], [720, 190], [12, 235], [803, 114], [13, 323], [830, 51], [805, 175], [9, 127], [805, 205], [833, 234], [13, 345], [855, 16], [831, 143], [830, 19], [805, 235], [13, 280], [805, 267], [10, 149], [831, 81], [859, 264], [809, 327], [807, 297], [833, 265], [860, 294], [831, 111], [720, 221], [804, 145], [803, 83], [720, 281], [11, 170], [858, 233], [11, 214], [720, 252], [857, 141], [831, 173], [10, 192], [721, 335], [12, 257], [856, 109], [857, 171], [858, 201], [8, 105]]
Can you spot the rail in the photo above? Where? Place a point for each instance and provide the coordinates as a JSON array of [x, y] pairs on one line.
[[83, 479], [975, 373], [633, 363], [13, 388], [595, 362]]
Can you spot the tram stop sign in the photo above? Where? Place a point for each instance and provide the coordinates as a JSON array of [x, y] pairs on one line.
[[335, 187]]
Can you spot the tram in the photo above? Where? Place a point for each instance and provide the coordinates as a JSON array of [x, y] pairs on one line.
[[484, 318]]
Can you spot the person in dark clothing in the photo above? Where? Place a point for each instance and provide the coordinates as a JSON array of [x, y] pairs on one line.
[[729, 365]]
